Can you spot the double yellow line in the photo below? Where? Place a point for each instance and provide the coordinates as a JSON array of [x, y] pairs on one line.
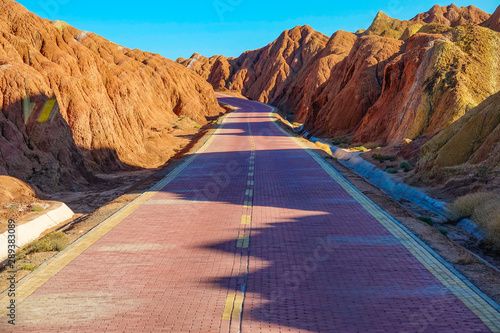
[[233, 306]]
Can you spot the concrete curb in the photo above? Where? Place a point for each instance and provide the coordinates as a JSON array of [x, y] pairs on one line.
[[28, 232], [393, 187]]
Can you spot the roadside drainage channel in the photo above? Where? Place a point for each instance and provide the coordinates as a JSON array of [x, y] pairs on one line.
[[395, 188], [30, 231]]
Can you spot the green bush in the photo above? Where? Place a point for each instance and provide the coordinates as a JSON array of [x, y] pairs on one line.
[[382, 158], [361, 148], [427, 220], [405, 166], [29, 267], [391, 170]]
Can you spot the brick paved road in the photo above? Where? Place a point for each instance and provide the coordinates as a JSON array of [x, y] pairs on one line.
[[253, 236]]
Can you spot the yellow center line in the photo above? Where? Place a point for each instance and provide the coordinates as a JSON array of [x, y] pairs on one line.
[[232, 307], [246, 219], [242, 242]]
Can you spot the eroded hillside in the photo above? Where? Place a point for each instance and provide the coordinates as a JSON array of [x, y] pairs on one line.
[[74, 103], [397, 80]]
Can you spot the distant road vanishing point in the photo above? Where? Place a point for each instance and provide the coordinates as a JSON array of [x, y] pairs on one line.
[[254, 232]]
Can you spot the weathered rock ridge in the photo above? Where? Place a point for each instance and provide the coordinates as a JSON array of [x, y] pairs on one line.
[[397, 80]]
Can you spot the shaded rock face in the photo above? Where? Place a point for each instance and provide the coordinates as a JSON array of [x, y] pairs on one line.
[[494, 21], [394, 82], [472, 142], [354, 85], [106, 107], [298, 94]]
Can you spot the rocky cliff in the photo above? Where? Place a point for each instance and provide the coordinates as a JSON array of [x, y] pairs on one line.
[[74, 103]]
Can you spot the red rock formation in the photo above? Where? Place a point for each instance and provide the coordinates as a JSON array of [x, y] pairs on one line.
[[398, 80], [261, 74], [297, 95], [494, 21], [113, 106], [354, 86], [434, 83], [452, 15], [449, 16]]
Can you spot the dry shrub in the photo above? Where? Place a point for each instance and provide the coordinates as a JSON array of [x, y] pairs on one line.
[[487, 216], [467, 204], [484, 209], [55, 241]]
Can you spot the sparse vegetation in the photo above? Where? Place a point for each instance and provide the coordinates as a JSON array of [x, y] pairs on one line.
[[13, 207], [361, 148], [466, 259], [405, 166], [427, 220], [466, 205], [36, 208], [487, 215], [196, 126], [391, 170], [29, 267], [382, 158], [55, 241]]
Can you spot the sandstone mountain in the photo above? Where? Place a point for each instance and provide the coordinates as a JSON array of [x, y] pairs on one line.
[[397, 80], [74, 103], [438, 17], [262, 74]]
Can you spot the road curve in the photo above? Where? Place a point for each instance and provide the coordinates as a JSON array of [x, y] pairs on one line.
[[253, 233]]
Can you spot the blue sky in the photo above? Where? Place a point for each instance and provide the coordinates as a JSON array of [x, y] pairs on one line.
[[229, 27]]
